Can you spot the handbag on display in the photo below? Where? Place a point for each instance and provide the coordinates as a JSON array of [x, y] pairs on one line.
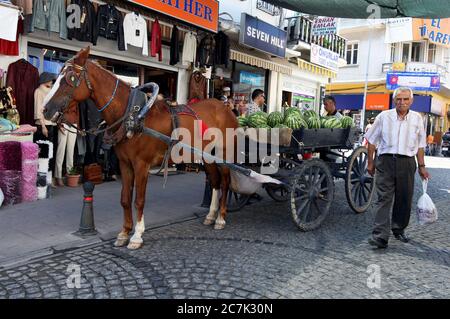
[[93, 173]]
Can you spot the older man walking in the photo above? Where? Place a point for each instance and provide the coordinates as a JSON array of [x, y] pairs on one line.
[[399, 135]]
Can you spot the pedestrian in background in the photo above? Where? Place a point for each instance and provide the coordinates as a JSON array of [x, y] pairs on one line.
[[400, 135]]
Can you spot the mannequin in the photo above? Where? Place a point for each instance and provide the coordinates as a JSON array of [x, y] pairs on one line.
[[67, 138], [46, 130]]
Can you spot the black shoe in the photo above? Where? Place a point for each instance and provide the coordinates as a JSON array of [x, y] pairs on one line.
[[401, 237], [380, 243]]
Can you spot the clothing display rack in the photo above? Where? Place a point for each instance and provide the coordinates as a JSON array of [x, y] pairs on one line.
[[184, 29]]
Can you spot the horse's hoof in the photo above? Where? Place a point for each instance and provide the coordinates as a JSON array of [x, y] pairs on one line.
[[208, 222], [135, 245], [219, 226], [120, 242]]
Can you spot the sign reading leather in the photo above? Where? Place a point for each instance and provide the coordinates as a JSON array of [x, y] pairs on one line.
[[262, 36], [201, 13]]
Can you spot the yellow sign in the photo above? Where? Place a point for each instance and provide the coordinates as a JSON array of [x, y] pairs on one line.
[[398, 66]]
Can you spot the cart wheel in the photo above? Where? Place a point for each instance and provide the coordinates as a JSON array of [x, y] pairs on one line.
[[279, 193], [311, 194], [359, 185], [236, 201]]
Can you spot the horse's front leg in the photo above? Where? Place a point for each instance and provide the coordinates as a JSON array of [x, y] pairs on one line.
[[141, 173], [224, 186], [125, 200]]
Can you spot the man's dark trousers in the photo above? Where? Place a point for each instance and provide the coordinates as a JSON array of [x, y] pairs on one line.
[[395, 185]]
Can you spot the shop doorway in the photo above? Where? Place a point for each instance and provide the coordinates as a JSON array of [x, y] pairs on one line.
[[167, 81]]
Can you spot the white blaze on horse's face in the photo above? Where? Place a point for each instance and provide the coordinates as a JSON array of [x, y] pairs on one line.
[[54, 89]]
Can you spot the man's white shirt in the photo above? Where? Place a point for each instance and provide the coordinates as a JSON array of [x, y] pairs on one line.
[[395, 136]]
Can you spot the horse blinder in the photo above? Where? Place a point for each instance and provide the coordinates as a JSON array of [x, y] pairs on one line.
[[72, 79]]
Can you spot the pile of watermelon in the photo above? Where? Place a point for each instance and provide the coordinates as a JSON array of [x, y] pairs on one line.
[[295, 119]]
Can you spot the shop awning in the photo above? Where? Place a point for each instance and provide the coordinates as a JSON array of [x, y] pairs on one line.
[[360, 9], [313, 68], [256, 58]]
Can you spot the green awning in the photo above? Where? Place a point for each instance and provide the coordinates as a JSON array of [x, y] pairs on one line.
[[358, 8]]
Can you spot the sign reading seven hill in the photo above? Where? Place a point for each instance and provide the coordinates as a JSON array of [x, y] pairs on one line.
[[262, 36], [201, 13]]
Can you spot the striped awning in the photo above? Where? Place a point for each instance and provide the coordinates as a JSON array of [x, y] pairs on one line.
[[313, 68], [257, 58]]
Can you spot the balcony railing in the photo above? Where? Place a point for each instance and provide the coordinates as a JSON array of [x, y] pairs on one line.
[[300, 29]]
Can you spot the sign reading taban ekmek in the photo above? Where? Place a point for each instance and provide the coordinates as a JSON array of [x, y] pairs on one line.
[[262, 36], [201, 13], [414, 80]]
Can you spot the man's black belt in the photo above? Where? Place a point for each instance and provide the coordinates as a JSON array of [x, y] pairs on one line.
[[396, 155]]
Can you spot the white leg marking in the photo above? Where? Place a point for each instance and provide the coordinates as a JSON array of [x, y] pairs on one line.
[[136, 241], [213, 208], [122, 239]]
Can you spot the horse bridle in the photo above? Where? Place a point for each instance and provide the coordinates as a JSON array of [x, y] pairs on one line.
[[74, 80]]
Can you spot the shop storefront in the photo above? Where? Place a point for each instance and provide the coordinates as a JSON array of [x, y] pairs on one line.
[[157, 47], [300, 92]]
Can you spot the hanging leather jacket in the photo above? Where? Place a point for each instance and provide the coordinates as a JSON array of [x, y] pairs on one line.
[[110, 25], [87, 32]]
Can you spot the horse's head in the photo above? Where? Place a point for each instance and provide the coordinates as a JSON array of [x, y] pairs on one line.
[[72, 84]]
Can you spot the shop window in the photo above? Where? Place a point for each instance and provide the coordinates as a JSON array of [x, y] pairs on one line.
[[413, 52], [393, 52], [246, 79], [431, 53], [405, 52], [417, 52], [352, 53]]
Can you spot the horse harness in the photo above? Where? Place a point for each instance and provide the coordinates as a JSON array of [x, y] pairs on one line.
[[132, 120]]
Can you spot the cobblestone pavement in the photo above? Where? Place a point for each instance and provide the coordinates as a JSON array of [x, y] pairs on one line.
[[260, 254]]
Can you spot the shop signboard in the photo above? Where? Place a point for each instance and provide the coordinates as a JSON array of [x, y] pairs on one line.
[[414, 80], [201, 13], [434, 30], [377, 102], [252, 79], [324, 57], [262, 36], [324, 26]]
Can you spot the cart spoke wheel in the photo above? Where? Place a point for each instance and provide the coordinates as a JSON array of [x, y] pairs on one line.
[[282, 193], [359, 185], [311, 194]]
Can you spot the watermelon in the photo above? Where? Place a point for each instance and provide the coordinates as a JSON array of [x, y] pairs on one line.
[[313, 122], [347, 122], [332, 122], [274, 119], [280, 126], [295, 122], [310, 113], [243, 121], [257, 119], [292, 110]]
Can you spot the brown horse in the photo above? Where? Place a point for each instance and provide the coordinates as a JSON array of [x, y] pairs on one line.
[[81, 79]]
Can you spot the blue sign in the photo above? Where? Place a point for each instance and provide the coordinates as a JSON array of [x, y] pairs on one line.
[[251, 78], [262, 36], [414, 80], [421, 103]]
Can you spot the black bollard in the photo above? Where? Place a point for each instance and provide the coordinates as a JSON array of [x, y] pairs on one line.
[[87, 227], [206, 202]]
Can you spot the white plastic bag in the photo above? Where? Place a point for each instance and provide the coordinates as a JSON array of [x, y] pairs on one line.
[[1, 197], [426, 211]]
